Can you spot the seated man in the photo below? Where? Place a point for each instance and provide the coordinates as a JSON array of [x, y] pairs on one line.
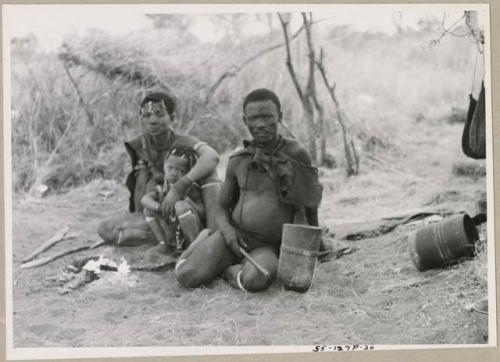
[[147, 153], [269, 183]]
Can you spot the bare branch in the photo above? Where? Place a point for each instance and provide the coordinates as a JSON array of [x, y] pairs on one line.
[[331, 88], [304, 94], [310, 48], [476, 33], [311, 86], [60, 140], [289, 64], [80, 96], [349, 148], [134, 75], [236, 69], [445, 31]]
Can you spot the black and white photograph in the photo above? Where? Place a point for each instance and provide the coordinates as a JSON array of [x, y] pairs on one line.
[[235, 179]]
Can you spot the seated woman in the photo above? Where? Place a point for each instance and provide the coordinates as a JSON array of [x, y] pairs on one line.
[[147, 153]]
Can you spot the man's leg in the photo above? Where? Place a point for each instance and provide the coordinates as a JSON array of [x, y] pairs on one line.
[[247, 277], [126, 230], [203, 261]]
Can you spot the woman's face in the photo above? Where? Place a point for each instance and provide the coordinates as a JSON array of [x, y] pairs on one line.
[[156, 118]]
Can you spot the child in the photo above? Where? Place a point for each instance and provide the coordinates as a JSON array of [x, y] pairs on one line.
[[173, 232]]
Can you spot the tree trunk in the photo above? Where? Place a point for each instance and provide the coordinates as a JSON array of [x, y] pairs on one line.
[[321, 134], [305, 95], [311, 129], [350, 151]]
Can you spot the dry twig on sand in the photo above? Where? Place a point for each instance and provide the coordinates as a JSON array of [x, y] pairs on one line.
[[60, 254], [168, 264], [415, 282], [58, 236]]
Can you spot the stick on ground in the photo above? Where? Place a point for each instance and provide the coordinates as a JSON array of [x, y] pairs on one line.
[[154, 267], [58, 236], [50, 258]]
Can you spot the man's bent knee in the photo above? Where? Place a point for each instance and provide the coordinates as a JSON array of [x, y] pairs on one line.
[[253, 279], [187, 274]]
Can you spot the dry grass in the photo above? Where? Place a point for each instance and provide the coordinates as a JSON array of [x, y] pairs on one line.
[[383, 89]]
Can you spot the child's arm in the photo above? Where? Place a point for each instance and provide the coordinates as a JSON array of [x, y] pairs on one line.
[[149, 201]]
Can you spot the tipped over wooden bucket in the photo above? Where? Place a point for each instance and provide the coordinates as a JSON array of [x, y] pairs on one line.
[[443, 243], [298, 256]]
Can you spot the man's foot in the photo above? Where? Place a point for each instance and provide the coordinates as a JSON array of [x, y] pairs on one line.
[[230, 275]]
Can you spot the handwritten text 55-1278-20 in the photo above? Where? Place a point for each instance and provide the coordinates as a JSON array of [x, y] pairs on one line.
[[343, 348]]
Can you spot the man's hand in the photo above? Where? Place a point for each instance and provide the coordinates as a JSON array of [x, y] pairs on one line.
[[176, 193], [233, 240]]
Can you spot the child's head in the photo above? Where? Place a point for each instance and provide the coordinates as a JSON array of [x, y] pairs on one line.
[[177, 163]]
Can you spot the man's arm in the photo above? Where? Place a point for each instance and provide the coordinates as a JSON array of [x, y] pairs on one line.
[[228, 198], [299, 153], [312, 216]]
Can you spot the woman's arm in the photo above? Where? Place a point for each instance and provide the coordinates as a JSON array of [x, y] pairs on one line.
[[150, 201], [208, 159]]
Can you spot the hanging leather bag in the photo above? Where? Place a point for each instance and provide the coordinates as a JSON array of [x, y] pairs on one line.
[[474, 135]]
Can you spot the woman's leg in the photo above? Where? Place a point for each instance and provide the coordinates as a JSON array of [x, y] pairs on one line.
[[126, 230]]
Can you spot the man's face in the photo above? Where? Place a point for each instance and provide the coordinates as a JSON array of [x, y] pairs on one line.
[[262, 118], [155, 117]]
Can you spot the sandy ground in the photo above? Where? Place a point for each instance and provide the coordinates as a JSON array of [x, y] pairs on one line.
[[373, 295]]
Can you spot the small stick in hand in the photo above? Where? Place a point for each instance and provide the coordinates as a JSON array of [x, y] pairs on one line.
[[255, 264]]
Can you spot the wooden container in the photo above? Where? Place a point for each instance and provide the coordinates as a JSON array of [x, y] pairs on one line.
[[298, 256]]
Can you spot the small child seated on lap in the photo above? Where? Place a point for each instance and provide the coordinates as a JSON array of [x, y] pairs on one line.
[[175, 232]]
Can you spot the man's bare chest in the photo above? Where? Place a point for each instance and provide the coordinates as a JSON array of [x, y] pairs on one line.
[[254, 179]]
